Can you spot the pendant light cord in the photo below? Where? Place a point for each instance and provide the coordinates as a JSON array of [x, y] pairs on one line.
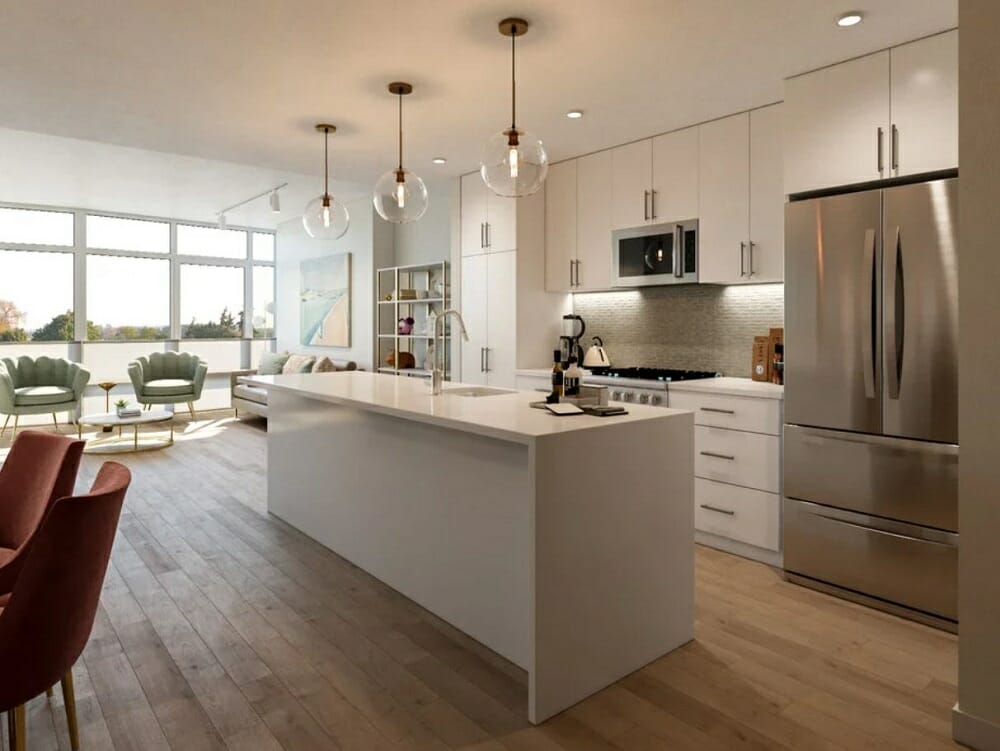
[[400, 131], [326, 162], [513, 83]]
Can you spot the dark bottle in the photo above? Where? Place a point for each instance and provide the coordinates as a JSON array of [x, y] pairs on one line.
[[557, 377]]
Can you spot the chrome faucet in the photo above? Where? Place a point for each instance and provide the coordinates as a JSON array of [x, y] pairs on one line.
[[437, 374]]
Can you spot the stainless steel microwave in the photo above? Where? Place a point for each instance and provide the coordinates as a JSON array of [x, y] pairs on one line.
[[656, 254]]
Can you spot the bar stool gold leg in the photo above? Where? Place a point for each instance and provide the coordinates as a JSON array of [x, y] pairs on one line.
[[55, 421], [13, 434], [135, 435], [4, 429], [17, 729]]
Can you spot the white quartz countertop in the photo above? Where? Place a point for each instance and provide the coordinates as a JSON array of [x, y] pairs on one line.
[[731, 387], [505, 416]]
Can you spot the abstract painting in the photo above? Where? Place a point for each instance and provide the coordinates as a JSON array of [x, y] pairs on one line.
[[325, 301]]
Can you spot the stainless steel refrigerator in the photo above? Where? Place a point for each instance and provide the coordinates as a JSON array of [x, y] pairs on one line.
[[870, 508]]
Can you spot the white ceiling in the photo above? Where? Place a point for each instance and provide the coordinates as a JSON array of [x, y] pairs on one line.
[[244, 82]]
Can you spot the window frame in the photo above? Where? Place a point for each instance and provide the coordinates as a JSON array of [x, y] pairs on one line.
[[79, 251]]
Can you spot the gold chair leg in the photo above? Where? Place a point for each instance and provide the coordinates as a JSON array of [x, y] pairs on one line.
[[191, 409], [4, 429], [16, 726], [49, 692], [69, 699], [13, 434], [55, 421]]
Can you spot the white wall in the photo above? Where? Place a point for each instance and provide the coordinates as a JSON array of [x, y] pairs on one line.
[[977, 721], [370, 242], [429, 239], [49, 170]]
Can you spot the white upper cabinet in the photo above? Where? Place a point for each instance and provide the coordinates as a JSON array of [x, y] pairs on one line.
[[631, 184], [674, 197], [766, 261], [489, 222], [593, 221], [925, 105], [837, 124], [723, 243], [501, 312], [474, 199], [561, 227]]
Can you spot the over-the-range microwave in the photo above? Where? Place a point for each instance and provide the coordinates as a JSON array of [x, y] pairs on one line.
[[656, 254]]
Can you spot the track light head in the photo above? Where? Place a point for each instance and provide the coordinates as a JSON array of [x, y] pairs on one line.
[[275, 201]]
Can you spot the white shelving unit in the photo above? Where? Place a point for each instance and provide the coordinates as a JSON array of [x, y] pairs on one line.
[[432, 279]]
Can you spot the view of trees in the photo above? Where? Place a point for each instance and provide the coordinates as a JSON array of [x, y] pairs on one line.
[[61, 328]]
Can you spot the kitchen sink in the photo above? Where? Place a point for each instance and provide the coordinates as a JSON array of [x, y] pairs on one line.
[[478, 391]]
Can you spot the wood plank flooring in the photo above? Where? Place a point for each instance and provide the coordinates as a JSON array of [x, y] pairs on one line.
[[223, 628]]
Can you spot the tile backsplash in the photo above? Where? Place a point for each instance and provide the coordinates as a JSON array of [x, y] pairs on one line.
[[692, 326]]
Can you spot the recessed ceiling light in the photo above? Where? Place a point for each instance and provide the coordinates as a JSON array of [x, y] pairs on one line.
[[853, 18], [439, 160], [574, 114]]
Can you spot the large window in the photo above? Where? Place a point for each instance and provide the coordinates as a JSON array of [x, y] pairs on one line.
[[211, 302], [71, 274], [263, 302], [116, 233], [128, 298], [36, 296]]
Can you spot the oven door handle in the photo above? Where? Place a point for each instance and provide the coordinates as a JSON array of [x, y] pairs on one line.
[[679, 251]]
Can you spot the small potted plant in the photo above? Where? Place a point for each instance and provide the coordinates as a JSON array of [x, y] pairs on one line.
[[121, 405]]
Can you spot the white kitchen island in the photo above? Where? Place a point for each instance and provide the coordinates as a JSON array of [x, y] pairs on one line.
[[565, 544]]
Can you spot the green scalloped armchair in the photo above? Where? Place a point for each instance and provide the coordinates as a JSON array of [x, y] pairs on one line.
[[36, 386], [168, 378]]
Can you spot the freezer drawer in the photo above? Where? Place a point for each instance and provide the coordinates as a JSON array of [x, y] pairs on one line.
[[908, 481], [897, 563]]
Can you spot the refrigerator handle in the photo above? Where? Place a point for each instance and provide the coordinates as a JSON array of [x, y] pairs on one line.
[[868, 321], [894, 318]]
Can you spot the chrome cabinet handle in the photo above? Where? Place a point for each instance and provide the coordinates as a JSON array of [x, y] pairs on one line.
[[571, 272], [482, 359], [868, 315], [743, 265], [645, 205], [578, 264], [879, 150], [652, 204], [486, 350], [894, 147], [719, 410], [750, 271], [482, 235], [489, 235], [714, 455], [716, 509]]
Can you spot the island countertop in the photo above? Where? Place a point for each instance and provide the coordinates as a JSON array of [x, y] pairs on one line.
[[506, 416]]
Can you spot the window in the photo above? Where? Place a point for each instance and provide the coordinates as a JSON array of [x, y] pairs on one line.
[[36, 296], [211, 302], [127, 298], [115, 233], [31, 227], [263, 246], [263, 302], [211, 241]]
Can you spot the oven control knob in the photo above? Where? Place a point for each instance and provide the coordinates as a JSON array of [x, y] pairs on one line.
[[643, 398], [655, 399]]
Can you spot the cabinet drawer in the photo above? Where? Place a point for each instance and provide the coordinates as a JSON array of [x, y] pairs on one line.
[[741, 514], [747, 459], [734, 412]]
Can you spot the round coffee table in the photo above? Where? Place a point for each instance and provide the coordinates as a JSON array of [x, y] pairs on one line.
[[117, 445]]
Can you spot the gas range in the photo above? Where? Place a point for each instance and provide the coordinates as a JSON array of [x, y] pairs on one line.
[[644, 385]]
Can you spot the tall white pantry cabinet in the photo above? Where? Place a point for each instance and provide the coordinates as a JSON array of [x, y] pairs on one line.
[[511, 320]]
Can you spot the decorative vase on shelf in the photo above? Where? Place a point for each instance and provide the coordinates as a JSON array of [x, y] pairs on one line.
[[429, 323], [429, 357]]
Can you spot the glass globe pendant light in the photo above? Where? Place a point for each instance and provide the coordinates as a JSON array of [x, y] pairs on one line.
[[514, 161], [325, 217], [400, 196]]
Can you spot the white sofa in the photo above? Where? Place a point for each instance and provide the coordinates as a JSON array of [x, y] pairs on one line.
[[248, 397]]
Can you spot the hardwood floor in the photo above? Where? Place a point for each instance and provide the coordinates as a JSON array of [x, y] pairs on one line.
[[221, 627]]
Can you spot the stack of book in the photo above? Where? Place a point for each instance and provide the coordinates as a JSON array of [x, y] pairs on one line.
[[126, 412]]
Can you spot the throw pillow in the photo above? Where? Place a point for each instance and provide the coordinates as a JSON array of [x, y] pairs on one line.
[[271, 363], [298, 364], [325, 365]]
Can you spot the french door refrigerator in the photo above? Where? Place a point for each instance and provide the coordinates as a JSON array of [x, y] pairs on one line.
[[870, 508]]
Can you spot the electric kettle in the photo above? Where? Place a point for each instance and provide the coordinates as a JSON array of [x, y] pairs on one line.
[[597, 358]]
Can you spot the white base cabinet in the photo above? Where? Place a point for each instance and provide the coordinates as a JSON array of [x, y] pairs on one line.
[[737, 467]]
